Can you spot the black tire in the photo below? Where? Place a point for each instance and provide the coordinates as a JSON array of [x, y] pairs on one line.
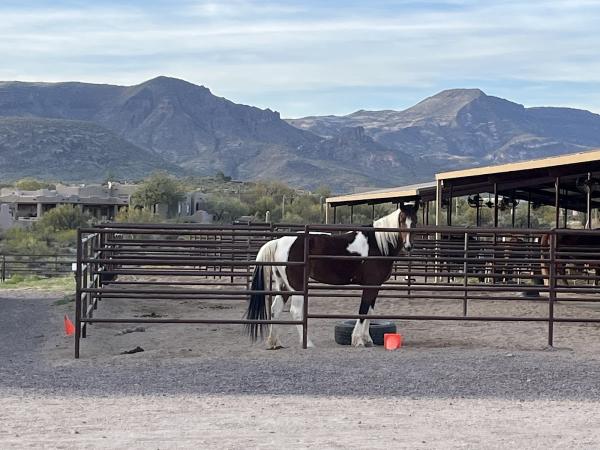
[[377, 328]]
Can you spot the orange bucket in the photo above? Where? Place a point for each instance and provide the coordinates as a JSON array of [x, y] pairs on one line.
[[392, 341]]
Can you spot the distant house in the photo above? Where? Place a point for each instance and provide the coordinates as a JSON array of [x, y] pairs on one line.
[[192, 208], [20, 207]]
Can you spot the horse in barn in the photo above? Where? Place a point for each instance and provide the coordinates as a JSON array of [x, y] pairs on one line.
[[580, 242], [371, 272]]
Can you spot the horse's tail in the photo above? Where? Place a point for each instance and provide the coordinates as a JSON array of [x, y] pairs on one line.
[[257, 307]]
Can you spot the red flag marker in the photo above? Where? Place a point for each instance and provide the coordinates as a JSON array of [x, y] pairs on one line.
[[69, 327]]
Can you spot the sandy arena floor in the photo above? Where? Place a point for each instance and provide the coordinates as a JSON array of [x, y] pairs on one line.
[[452, 385]]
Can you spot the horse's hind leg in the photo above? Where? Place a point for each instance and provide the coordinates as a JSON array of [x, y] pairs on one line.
[[361, 336], [296, 310], [273, 341]]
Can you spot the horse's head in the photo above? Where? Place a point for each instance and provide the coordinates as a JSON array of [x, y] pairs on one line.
[[406, 220]]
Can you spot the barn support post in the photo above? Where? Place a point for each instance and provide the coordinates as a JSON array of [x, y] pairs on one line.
[[305, 288], [449, 208], [322, 205], [438, 203], [528, 209], [565, 209], [373, 212], [588, 202], [326, 213], [334, 215], [556, 201], [513, 210], [351, 214], [495, 206]]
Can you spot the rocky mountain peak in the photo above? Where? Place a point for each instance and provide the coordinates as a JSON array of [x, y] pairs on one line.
[[443, 106], [162, 84]]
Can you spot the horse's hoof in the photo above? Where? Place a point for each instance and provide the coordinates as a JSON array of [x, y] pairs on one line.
[[276, 347], [358, 342]]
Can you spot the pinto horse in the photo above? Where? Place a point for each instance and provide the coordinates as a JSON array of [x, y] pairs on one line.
[[372, 272]]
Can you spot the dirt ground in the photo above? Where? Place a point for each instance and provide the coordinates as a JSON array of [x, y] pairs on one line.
[[452, 385]]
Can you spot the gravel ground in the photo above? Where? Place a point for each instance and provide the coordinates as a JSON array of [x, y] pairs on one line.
[[449, 387]]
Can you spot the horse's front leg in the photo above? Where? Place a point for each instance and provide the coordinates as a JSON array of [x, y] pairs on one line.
[[360, 335]]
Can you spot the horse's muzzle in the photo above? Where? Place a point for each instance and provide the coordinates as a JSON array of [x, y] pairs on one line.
[[407, 247]]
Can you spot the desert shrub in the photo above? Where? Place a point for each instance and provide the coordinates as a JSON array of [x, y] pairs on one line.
[[136, 215], [63, 217], [24, 241]]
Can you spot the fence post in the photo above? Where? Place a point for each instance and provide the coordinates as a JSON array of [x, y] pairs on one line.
[[272, 270], [78, 295], [305, 303], [466, 273], [3, 268], [232, 253], [551, 288]]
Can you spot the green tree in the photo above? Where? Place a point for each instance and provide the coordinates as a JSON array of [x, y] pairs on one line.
[[156, 189], [226, 209], [31, 184], [264, 204], [304, 209], [220, 176]]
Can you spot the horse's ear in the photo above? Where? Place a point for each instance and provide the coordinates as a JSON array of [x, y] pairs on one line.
[[400, 205]]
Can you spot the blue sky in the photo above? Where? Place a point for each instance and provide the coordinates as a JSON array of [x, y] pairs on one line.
[[315, 57]]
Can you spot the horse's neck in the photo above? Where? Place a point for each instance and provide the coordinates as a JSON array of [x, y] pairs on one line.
[[395, 250]]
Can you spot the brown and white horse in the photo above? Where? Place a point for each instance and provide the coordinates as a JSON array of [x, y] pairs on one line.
[[372, 272]]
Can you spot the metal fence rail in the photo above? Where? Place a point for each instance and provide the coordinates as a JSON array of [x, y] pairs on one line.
[[196, 262], [43, 264]]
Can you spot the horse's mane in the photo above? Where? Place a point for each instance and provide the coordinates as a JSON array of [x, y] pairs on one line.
[[385, 239]]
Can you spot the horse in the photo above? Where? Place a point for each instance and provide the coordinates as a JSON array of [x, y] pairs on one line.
[[372, 272], [585, 242]]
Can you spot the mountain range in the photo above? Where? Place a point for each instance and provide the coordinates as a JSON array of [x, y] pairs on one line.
[[82, 132]]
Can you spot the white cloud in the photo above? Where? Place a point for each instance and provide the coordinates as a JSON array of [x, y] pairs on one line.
[[262, 47]]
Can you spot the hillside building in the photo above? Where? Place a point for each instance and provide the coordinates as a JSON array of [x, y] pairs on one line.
[[102, 202]]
